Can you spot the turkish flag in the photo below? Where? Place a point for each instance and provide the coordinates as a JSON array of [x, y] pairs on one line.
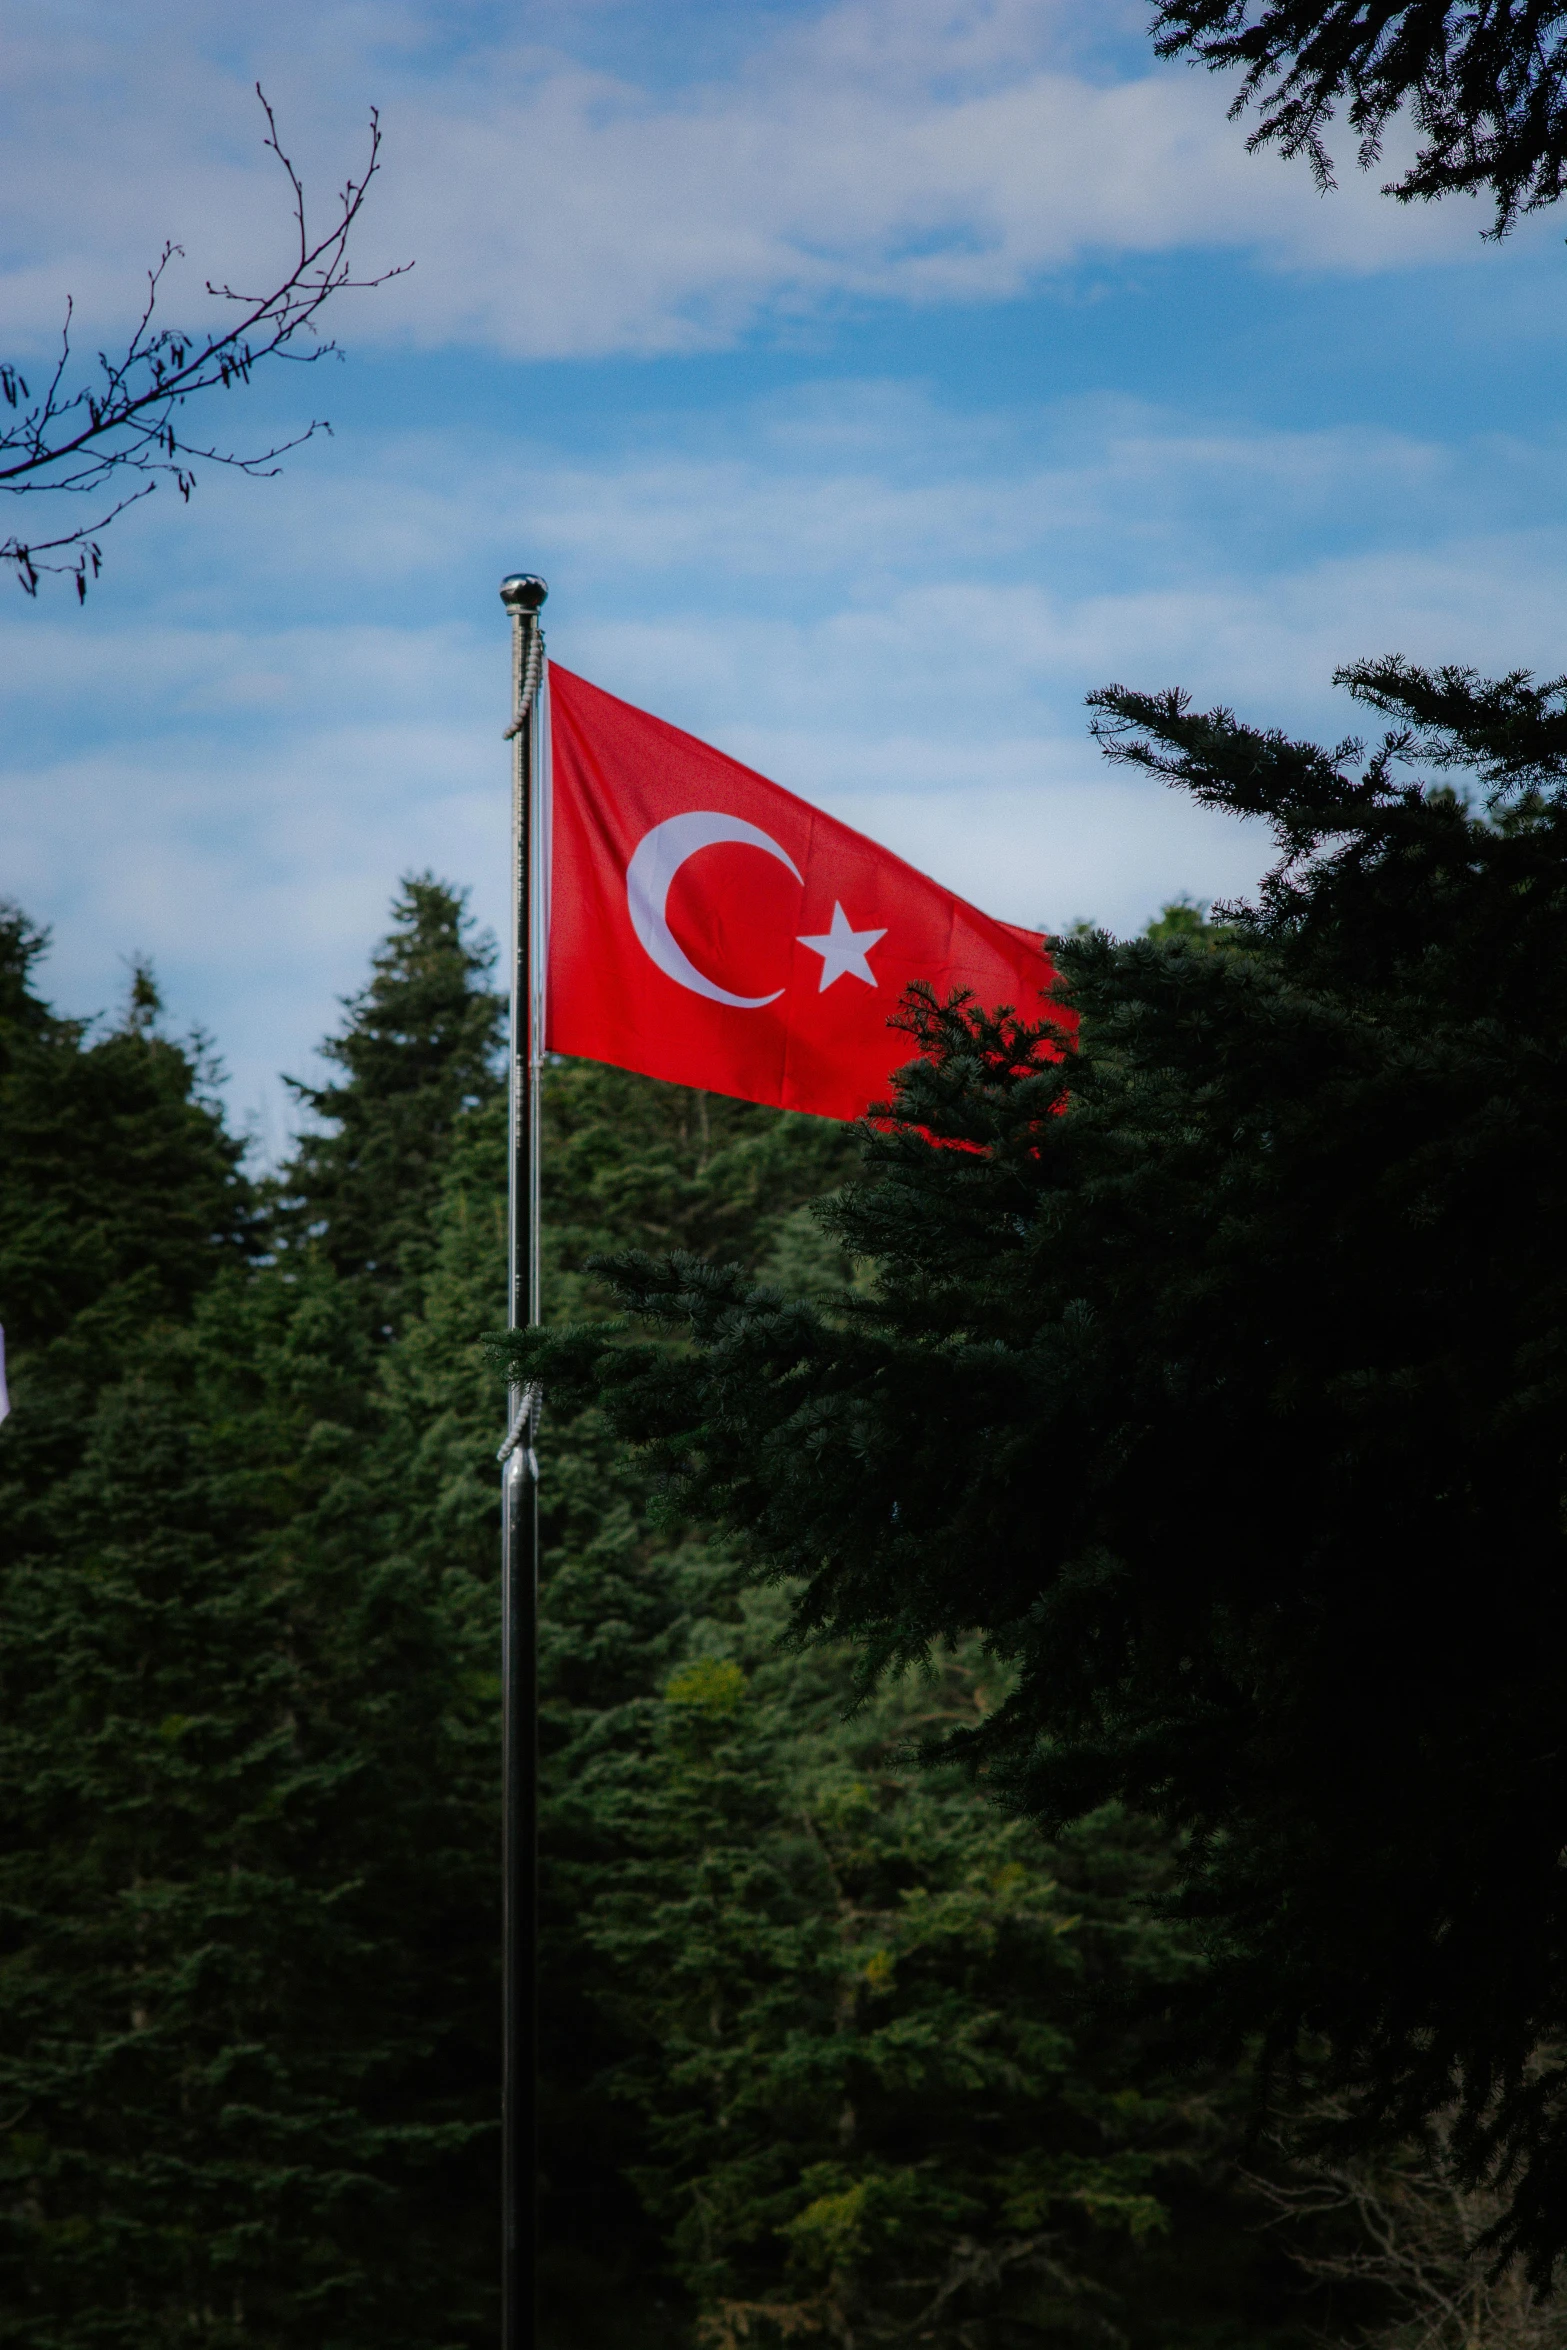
[[708, 927]]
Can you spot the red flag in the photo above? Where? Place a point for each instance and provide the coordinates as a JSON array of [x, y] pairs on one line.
[[708, 927]]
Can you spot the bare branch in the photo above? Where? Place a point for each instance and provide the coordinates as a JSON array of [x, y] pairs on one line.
[[125, 419], [1414, 2238]]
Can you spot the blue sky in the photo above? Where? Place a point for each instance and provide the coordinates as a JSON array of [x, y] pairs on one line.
[[870, 380]]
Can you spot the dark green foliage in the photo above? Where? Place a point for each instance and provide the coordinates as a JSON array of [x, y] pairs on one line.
[[1186, 923], [826, 2036], [723, 1179], [233, 1824], [420, 1048], [244, 1850], [119, 1176], [1219, 1380], [872, 2107], [624, 1159], [121, 1199], [1484, 85], [725, 1854]]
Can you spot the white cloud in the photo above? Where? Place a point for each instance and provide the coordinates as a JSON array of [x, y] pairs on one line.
[[288, 696], [911, 151], [871, 480], [239, 791]]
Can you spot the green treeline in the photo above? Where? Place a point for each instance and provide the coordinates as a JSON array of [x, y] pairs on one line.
[[1215, 1372], [836, 2050]]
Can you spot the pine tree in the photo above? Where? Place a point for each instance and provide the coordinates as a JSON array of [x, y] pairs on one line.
[[861, 2006], [419, 1050], [227, 1790], [705, 1819], [123, 1198], [625, 1159], [1480, 86], [242, 1859], [1217, 1380]]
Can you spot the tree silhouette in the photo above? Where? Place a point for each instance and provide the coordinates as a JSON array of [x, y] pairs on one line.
[[1483, 86], [110, 437]]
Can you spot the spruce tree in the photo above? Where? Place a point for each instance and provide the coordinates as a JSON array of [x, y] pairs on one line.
[[242, 1853], [1216, 1378], [123, 1197], [625, 1160], [120, 1176], [896, 2061], [420, 1048], [720, 1840], [1482, 87], [228, 1784]]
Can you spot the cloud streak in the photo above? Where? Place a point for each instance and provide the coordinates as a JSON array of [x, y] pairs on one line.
[[913, 152], [237, 792]]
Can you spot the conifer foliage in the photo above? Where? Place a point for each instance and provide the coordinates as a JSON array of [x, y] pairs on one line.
[[123, 1199], [833, 2050], [419, 1048], [123, 1191], [873, 2105], [1217, 1379], [239, 1873], [1483, 86]]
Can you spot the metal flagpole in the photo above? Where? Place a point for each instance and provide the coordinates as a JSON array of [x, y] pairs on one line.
[[522, 594]]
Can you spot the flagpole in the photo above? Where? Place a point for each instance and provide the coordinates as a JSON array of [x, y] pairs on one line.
[[523, 595]]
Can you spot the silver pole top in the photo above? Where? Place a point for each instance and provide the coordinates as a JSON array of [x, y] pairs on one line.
[[523, 591]]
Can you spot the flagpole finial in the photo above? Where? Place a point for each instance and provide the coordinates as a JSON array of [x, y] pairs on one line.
[[523, 591]]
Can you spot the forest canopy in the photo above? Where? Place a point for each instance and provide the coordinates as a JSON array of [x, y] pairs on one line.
[[832, 2045], [1482, 87], [836, 2045], [1216, 1381]]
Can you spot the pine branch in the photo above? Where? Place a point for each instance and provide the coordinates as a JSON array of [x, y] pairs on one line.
[[1483, 86]]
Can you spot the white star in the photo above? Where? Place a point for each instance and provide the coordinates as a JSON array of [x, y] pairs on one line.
[[842, 949]]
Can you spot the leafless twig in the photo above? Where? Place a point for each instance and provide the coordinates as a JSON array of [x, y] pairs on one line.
[[91, 440], [1412, 2235]]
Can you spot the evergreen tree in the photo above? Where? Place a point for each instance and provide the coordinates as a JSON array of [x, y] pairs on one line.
[[895, 2060], [1217, 1380], [719, 1840], [1183, 921], [249, 1781], [227, 1788], [1483, 86], [123, 1198], [121, 1182], [243, 1860], [419, 1049], [625, 1159]]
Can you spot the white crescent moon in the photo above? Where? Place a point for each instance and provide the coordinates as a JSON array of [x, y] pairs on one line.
[[656, 860]]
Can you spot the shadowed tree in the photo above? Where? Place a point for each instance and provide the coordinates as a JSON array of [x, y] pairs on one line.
[[1485, 87], [1217, 1377], [245, 1817], [420, 1049]]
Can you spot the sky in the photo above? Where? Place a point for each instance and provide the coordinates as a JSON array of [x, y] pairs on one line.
[[870, 381]]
